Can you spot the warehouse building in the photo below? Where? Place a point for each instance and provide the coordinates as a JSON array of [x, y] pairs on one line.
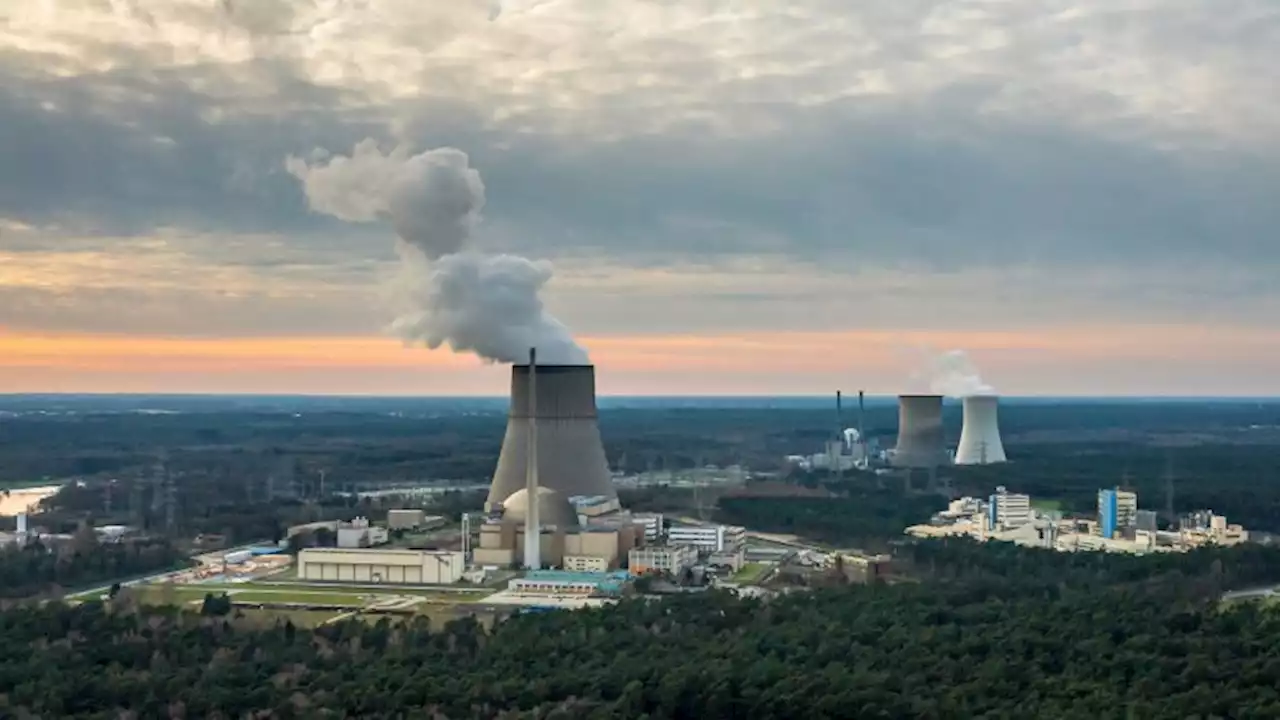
[[381, 565]]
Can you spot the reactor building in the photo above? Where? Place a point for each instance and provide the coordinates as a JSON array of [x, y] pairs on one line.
[[980, 435], [921, 441]]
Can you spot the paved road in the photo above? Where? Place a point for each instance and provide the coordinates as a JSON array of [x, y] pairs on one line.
[[1254, 594]]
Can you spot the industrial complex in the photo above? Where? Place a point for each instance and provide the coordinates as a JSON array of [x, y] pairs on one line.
[[921, 443], [552, 532], [1118, 526]]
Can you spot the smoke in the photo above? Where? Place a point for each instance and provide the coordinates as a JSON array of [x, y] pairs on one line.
[[953, 374], [448, 293]]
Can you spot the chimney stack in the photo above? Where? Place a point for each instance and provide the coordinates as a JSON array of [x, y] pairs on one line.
[[532, 528]]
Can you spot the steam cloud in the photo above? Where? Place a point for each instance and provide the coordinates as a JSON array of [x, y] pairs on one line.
[[451, 294], [953, 374]]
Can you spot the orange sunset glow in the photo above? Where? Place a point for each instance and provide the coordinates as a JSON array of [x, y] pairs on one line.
[[741, 363]]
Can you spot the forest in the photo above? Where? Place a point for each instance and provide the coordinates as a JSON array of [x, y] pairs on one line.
[[991, 631], [36, 570]]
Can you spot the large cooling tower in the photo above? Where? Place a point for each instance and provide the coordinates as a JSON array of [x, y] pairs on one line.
[[921, 443], [570, 455], [980, 439]]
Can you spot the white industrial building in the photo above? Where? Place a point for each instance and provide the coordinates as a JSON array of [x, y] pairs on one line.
[[1009, 510], [360, 534], [706, 538], [651, 522], [412, 519], [673, 559], [381, 565]]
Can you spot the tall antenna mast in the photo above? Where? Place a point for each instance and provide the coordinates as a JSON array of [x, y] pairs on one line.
[[532, 526]]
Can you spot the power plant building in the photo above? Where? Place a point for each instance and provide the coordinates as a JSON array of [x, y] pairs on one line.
[[921, 440], [381, 565], [707, 538], [1117, 509], [1008, 510], [672, 559], [980, 436], [502, 543], [570, 455]]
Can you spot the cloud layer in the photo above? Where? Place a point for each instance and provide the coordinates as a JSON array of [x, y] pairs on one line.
[[692, 166]]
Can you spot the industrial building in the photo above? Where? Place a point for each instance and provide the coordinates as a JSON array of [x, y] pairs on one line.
[[562, 421], [1008, 510], [381, 565], [607, 538], [1120, 527], [921, 440], [672, 559], [707, 538], [980, 442], [554, 582], [1117, 510], [360, 534], [652, 524], [412, 519]]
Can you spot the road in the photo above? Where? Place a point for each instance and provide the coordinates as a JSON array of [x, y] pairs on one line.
[[1254, 594]]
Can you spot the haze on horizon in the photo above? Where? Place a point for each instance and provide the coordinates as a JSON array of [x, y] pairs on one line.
[[737, 196]]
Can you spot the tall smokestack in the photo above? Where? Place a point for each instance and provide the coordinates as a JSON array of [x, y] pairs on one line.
[[862, 411], [532, 527], [569, 456], [980, 438], [921, 443]]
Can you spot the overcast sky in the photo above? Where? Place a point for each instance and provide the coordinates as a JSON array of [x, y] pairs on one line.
[[736, 195]]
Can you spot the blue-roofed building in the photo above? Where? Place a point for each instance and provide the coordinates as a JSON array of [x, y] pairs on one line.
[[562, 582]]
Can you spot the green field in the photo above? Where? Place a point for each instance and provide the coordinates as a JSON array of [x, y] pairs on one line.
[[355, 597], [751, 572], [1047, 505]]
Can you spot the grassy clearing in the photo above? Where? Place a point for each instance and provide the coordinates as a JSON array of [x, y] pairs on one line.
[[751, 572], [314, 594], [1047, 505]]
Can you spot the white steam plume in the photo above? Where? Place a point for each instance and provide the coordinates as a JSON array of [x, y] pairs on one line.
[[953, 374], [451, 294]]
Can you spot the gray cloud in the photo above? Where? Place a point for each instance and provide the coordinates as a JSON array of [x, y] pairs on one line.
[[1113, 158]]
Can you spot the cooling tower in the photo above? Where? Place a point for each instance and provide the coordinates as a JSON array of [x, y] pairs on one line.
[[920, 439], [980, 439], [570, 455]]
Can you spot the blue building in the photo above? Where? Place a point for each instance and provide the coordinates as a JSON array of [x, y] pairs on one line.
[[1117, 509], [1108, 513]]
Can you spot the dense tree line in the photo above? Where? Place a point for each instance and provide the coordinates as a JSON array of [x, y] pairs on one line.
[[860, 516], [48, 568], [1012, 632]]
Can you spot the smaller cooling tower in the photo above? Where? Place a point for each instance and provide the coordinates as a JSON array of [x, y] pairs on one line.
[[921, 443], [980, 439]]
